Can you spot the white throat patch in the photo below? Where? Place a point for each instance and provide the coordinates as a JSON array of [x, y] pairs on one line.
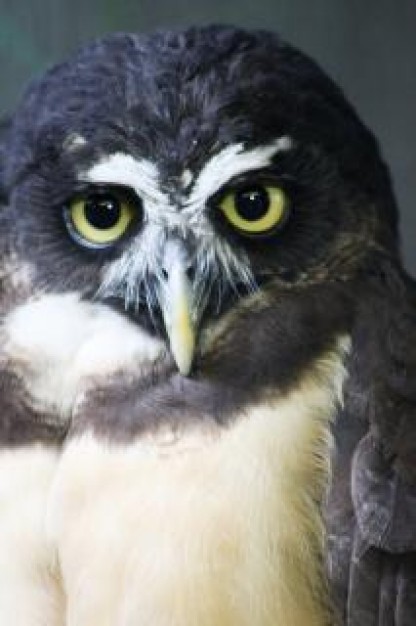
[[57, 343]]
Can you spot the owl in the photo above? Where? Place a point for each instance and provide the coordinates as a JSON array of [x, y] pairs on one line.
[[207, 345]]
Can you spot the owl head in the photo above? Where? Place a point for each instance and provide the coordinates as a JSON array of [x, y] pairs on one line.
[[212, 187]]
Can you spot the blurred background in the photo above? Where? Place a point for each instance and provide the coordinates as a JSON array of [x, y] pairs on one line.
[[367, 46]]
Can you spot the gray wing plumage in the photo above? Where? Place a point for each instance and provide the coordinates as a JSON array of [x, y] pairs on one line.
[[371, 513], [372, 539]]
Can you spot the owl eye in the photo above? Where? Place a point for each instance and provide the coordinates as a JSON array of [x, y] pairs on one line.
[[100, 218], [255, 210]]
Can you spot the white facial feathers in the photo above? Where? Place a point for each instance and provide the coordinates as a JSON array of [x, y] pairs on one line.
[[215, 259]]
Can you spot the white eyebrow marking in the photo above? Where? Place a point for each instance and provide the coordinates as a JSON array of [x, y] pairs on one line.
[[140, 174], [230, 162], [143, 177]]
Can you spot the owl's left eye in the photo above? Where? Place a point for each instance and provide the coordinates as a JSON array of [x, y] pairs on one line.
[[100, 218], [255, 210]]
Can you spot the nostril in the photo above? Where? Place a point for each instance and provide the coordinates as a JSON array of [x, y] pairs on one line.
[[176, 261], [190, 272]]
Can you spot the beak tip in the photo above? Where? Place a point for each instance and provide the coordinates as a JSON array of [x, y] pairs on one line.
[[184, 370], [183, 358]]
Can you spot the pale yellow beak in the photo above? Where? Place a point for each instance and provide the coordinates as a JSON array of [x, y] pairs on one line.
[[177, 309]]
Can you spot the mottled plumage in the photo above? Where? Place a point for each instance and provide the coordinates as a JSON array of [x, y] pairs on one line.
[[207, 345]]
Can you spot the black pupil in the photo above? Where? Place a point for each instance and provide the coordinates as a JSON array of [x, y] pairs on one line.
[[252, 204], [102, 212]]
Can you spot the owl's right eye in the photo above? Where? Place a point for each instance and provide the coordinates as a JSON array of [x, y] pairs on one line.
[[255, 210], [100, 218]]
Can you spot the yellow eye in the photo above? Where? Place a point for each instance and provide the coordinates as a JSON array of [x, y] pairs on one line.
[[255, 210], [100, 218]]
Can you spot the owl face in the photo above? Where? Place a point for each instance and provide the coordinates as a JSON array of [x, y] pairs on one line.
[[213, 188]]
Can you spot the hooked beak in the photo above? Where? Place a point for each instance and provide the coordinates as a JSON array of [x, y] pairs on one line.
[[177, 305]]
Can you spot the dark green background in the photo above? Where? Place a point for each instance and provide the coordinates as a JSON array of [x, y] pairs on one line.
[[368, 46]]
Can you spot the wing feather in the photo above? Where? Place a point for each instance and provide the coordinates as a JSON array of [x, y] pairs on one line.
[[371, 512]]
